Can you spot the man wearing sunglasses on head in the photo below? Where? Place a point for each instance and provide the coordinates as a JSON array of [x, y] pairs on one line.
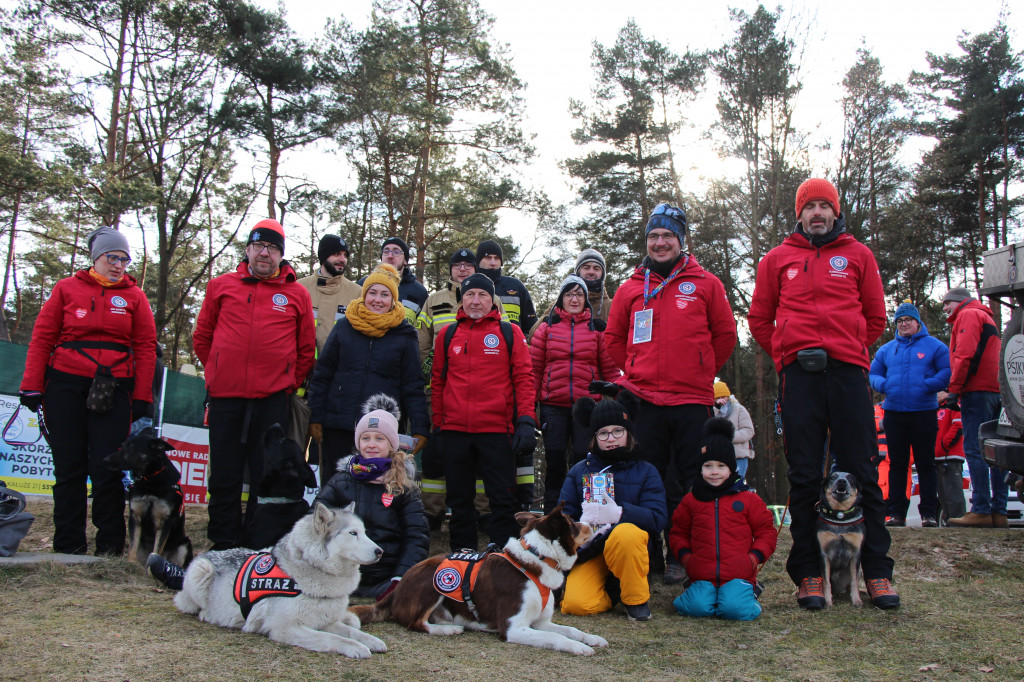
[[256, 340]]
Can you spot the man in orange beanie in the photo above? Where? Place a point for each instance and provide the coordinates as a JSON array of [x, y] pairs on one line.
[[256, 340], [817, 307]]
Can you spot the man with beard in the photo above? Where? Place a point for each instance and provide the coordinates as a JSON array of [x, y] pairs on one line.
[[395, 252], [817, 306], [590, 268], [328, 287], [670, 331], [256, 340], [510, 291]]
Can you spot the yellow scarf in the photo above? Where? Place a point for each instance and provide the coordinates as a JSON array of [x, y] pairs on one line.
[[365, 321], [103, 280]]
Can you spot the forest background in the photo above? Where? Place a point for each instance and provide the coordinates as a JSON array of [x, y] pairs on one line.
[[183, 122]]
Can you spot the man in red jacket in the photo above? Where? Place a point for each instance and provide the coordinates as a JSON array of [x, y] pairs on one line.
[[482, 399], [817, 306], [974, 347], [256, 340], [670, 331]]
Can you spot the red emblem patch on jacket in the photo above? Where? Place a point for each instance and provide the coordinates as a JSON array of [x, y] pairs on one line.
[[260, 577]]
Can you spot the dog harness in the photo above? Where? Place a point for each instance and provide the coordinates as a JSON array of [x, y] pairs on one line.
[[260, 577], [849, 517], [178, 495], [456, 576]]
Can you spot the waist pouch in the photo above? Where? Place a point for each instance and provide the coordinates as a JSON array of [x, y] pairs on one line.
[[812, 359], [104, 383]]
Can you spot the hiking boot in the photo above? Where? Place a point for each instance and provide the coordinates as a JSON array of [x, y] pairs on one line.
[[972, 520], [1000, 521], [895, 521], [171, 575], [640, 612], [811, 595], [882, 593], [674, 573], [929, 522]]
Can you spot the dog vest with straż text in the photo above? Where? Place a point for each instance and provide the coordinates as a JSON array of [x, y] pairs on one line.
[[260, 577], [456, 576]]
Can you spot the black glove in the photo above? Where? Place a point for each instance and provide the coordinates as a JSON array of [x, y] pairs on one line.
[[952, 399], [604, 388], [31, 399], [432, 457], [525, 437], [140, 409]]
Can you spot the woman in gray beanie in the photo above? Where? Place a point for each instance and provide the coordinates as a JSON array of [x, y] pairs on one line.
[[90, 367]]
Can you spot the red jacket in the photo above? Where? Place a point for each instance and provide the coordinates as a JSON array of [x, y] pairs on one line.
[[693, 335], [818, 297], [712, 540], [567, 356], [255, 337], [476, 396], [970, 321], [949, 444], [81, 309]]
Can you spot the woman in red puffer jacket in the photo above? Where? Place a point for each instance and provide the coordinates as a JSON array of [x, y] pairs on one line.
[[568, 352]]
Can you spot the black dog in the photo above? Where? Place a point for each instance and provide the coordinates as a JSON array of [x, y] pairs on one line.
[[840, 534], [286, 475], [157, 520]]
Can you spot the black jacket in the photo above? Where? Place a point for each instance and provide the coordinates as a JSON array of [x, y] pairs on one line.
[[352, 367], [399, 529]]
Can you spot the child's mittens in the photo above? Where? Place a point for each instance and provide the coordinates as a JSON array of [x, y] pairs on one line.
[[597, 514]]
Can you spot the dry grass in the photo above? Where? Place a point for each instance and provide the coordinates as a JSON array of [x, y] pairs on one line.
[[961, 589]]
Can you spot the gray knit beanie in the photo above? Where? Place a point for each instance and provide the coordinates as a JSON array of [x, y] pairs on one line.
[[104, 240], [590, 256]]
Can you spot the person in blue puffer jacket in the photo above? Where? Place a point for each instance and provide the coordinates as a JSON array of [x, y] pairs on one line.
[[910, 370]]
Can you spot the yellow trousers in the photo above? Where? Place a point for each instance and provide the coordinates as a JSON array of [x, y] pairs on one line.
[[625, 557]]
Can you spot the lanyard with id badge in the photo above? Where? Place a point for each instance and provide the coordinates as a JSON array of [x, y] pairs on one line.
[[643, 320]]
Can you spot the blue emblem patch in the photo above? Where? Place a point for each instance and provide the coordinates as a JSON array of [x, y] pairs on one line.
[[838, 263], [264, 564], [491, 340], [119, 302], [687, 288], [737, 506], [280, 299], [447, 580]]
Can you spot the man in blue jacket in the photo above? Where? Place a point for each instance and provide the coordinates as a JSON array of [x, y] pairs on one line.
[[910, 370]]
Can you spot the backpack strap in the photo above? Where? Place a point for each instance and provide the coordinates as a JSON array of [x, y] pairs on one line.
[[988, 330], [506, 332]]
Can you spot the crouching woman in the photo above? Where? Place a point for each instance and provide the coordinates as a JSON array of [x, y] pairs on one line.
[[626, 511]]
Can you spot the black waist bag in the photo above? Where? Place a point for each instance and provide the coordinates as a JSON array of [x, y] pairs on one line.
[[104, 384], [812, 359]]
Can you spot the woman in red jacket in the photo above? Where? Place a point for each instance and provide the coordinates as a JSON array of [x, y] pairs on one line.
[[568, 352], [96, 321]]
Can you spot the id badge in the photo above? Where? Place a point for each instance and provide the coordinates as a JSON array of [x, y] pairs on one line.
[[643, 324]]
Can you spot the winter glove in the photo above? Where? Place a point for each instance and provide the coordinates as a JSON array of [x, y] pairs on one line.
[[525, 438], [140, 424], [31, 399], [597, 514], [432, 459], [421, 442], [604, 388], [316, 432], [140, 409], [951, 400], [389, 589]]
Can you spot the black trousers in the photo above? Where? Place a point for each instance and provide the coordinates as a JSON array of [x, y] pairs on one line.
[[490, 455], [836, 401], [79, 440], [337, 445], [565, 443], [903, 431], [236, 443]]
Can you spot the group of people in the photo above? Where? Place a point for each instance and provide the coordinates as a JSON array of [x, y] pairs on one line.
[[640, 439]]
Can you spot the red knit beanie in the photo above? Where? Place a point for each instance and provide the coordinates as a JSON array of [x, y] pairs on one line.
[[267, 230], [816, 189]]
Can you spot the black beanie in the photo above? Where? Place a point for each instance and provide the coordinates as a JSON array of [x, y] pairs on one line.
[[397, 241], [601, 413], [489, 247], [717, 444], [462, 256], [478, 281], [330, 244]]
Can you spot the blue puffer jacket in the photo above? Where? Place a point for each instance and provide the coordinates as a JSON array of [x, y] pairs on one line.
[[353, 366], [637, 489], [910, 371]]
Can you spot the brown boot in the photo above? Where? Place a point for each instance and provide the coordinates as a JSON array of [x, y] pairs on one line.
[[1000, 521], [972, 520]]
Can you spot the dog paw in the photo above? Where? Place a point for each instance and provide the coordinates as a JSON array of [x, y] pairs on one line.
[[354, 650], [580, 649], [377, 646], [594, 640]]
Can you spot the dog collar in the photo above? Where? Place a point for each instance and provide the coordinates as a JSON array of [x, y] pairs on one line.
[[840, 518], [276, 500], [546, 560]]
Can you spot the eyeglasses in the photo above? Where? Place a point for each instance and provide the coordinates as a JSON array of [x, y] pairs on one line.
[[464, 266], [118, 260], [905, 320], [392, 252], [667, 236], [272, 249], [617, 432], [574, 294]]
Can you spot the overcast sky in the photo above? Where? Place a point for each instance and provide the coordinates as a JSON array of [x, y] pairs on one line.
[[550, 44]]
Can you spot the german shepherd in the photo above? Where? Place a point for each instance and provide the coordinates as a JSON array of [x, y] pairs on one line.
[[281, 490], [508, 592], [840, 529], [157, 506]]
